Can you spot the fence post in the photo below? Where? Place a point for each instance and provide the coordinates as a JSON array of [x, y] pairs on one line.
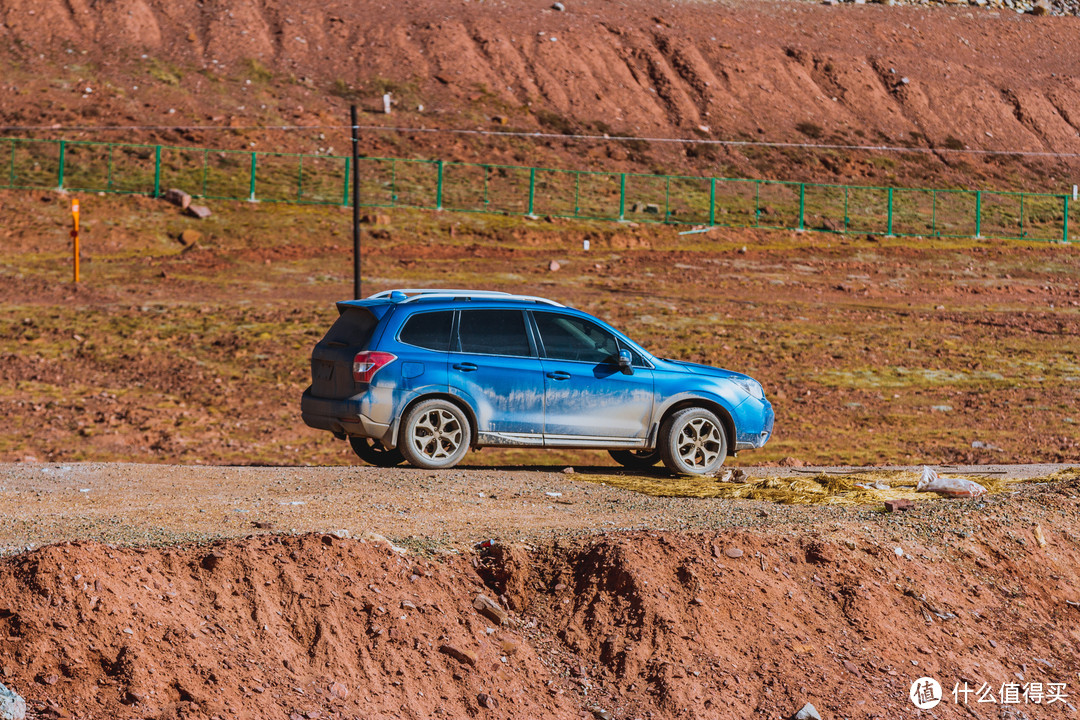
[[622, 196], [890, 213], [345, 191], [438, 187], [1065, 227], [712, 201], [251, 197], [802, 205], [157, 171], [532, 189], [60, 169], [978, 213]]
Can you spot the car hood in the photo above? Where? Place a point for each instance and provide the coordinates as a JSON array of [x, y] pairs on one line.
[[707, 370]]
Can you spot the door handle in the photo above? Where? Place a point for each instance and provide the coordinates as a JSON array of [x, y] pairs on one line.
[[559, 375], [465, 367]]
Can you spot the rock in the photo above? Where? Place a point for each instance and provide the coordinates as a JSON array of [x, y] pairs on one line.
[[263, 525], [1041, 7], [189, 237], [792, 462], [490, 609], [500, 119], [851, 667], [553, 266], [559, 7], [339, 690], [600, 713], [12, 706], [568, 470], [637, 207], [486, 701], [1039, 537], [652, 209], [465, 657], [341, 534], [198, 211], [177, 197], [807, 712], [898, 505], [733, 552]]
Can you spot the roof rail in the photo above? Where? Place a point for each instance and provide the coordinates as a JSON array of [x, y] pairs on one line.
[[406, 295]]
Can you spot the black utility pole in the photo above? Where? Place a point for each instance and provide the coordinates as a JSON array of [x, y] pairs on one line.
[[356, 203]]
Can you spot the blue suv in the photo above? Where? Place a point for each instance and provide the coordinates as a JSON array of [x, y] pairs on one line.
[[423, 375]]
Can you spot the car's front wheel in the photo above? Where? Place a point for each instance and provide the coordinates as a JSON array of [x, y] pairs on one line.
[[635, 459], [693, 442], [435, 434], [374, 452]]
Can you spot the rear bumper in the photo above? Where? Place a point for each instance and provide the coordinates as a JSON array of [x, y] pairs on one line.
[[342, 417]]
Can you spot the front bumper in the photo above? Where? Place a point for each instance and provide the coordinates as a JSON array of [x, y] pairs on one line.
[[754, 440], [342, 417]]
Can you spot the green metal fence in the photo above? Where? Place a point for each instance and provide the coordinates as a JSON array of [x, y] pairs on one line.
[[79, 166]]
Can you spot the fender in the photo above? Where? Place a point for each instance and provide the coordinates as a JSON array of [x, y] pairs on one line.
[[407, 399], [720, 401]]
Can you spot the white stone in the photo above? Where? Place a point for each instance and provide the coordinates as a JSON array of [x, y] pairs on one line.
[[12, 706]]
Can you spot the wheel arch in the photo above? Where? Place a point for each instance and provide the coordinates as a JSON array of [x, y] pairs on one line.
[[712, 406], [453, 399]]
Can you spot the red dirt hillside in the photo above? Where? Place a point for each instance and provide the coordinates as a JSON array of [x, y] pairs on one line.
[[777, 71]]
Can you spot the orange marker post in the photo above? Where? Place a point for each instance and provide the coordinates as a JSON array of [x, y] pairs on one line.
[[75, 234]]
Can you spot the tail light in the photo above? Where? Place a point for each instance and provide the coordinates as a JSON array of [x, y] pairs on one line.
[[366, 364]]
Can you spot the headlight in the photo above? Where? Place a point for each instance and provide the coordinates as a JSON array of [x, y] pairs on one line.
[[752, 387]]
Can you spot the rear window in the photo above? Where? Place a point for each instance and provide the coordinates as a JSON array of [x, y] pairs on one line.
[[428, 330], [494, 332], [352, 328]]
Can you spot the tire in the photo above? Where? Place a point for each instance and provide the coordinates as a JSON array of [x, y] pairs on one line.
[[635, 459], [435, 434], [693, 442], [373, 453]]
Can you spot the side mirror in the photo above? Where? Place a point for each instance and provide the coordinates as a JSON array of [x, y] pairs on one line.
[[625, 360]]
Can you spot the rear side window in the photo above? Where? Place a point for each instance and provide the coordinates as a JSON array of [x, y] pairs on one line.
[[352, 328], [428, 330], [494, 332]]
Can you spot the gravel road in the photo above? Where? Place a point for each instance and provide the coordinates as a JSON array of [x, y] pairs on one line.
[[139, 504]]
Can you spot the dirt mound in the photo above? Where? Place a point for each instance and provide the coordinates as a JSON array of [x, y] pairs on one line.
[[629, 624], [260, 628]]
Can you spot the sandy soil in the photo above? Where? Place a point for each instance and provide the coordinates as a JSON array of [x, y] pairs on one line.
[[134, 504]]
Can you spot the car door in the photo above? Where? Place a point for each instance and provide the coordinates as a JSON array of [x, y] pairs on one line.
[[493, 365], [588, 401]]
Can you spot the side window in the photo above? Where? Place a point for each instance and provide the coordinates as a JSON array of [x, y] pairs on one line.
[[571, 338], [494, 332], [428, 330]]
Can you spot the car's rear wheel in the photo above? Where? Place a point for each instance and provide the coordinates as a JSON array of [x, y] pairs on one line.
[[693, 442], [373, 452], [435, 434], [635, 459]]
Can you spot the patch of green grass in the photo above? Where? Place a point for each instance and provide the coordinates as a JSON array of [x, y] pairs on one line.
[[164, 72]]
